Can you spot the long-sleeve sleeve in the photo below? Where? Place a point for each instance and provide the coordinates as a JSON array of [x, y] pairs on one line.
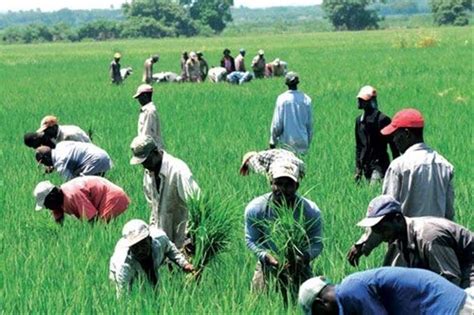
[[450, 200], [253, 233], [277, 124], [315, 234], [309, 123], [369, 240], [392, 183], [442, 259], [121, 273], [174, 254], [358, 160], [187, 186]]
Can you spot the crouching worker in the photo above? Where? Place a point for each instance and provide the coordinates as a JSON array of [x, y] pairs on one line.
[[386, 290], [142, 250], [87, 198]]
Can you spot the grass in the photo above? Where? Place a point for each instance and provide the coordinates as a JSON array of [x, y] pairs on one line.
[[48, 269]]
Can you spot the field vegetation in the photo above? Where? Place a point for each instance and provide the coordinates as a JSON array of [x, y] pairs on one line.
[[45, 268]]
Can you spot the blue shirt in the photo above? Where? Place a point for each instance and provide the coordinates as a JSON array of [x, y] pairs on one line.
[[256, 234], [396, 290]]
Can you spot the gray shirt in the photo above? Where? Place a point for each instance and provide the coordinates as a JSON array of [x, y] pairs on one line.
[[72, 159]]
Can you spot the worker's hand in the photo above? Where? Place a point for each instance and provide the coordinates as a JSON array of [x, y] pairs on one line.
[[270, 260], [354, 254], [48, 169], [358, 175], [188, 268]]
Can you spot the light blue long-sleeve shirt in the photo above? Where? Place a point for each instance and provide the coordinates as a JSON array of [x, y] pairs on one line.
[[292, 123], [256, 235]]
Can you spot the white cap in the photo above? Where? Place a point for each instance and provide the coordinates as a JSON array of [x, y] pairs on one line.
[[41, 191], [284, 168], [134, 231], [261, 52], [309, 290], [366, 93], [144, 88]]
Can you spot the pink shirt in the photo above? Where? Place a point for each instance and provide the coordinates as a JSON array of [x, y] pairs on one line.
[[87, 197]]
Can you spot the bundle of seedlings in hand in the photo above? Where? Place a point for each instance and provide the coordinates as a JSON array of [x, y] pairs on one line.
[[208, 228]]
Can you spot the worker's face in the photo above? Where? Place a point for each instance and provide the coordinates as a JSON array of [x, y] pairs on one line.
[[44, 157], [144, 98], [142, 249], [52, 131], [362, 104], [326, 302], [387, 229], [54, 200], [284, 190], [153, 160], [402, 139]]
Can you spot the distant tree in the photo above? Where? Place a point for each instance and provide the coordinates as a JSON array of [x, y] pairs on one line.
[[145, 27], [214, 13], [351, 14], [451, 12], [100, 30]]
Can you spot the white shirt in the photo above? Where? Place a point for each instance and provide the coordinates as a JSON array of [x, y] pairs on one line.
[[292, 123], [149, 123], [168, 202], [124, 268], [217, 74], [71, 133], [421, 180]]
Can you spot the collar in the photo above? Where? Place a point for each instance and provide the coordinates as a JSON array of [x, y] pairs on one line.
[[147, 106], [417, 147]]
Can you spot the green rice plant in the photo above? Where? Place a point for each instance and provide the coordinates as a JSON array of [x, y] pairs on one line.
[[209, 227]]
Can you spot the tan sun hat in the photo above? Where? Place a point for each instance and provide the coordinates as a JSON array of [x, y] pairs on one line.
[[143, 88], [117, 55], [284, 168], [46, 122], [246, 158], [134, 231], [367, 92], [41, 191], [141, 147], [261, 52]]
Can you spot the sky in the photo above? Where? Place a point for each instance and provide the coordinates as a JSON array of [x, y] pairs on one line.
[[54, 5]]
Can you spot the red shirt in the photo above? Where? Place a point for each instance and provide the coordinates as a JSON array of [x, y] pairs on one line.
[[89, 197]]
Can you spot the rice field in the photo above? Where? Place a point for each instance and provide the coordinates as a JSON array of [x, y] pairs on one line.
[[46, 268]]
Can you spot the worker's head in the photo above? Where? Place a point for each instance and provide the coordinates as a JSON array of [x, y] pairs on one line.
[[49, 126], [292, 80], [244, 166], [117, 56], [226, 52], [261, 53], [43, 155], [193, 56], [406, 128], [155, 58], [316, 296], [284, 181], [146, 153], [384, 217], [144, 94], [48, 196], [199, 55], [136, 234], [242, 52], [37, 139], [367, 98]]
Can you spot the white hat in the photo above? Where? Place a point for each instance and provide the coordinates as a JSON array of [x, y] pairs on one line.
[[134, 231], [144, 88], [309, 290], [261, 52], [284, 168], [41, 191], [366, 93], [141, 147]]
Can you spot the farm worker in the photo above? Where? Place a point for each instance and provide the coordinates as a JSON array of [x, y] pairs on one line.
[[168, 184], [276, 68], [284, 179], [260, 162], [217, 74], [184, 58], [437, 244], [114, 69], [239, 78], [240, 61], [386, 290], [88, 198], [420, 179], [72, 159], [292, 123], [203, 66], [193, 70], [371, 146], [258, 64], [142, 249], [56, 133], [148, 68], [227, 61], [148, 119]]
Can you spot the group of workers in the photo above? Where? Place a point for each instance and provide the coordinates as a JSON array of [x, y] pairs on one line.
[[195, 68], [414, 213]]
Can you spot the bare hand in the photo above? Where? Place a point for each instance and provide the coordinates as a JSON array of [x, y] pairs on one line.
[[188, 268], [269, 259], [244, 170], [354, 254]]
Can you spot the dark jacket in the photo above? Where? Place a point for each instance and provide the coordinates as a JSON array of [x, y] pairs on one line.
[[371, 145]]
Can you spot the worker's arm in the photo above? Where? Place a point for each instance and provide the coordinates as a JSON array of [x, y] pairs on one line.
[[309, 123], [174, 254], [450, 199], [442, 259], [187, 186], [358, 159], [276, 128], [122, 274], [315, 234], [392, 182], [253, 233], [364, 246]]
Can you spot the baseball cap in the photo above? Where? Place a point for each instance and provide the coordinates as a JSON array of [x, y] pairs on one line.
[[41, 191], [46, 122], [134, 231], [143, 88], [308, 292], [117, 55], [261, 52], [406, 118], [292, 78], [247, 157], [378, 208], [141, 147], [367, 92], [284, 168]]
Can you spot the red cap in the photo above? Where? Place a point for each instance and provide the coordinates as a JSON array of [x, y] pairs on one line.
[[406, 118]]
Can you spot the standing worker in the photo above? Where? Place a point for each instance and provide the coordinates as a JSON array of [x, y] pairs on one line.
[[292, 123], [371, 146], [203, 65], [148, 119], [148, 69], [258, 64], [184, 58], [114, 69], [193, 69], [240, 61], [227, 61], [168, 184]]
